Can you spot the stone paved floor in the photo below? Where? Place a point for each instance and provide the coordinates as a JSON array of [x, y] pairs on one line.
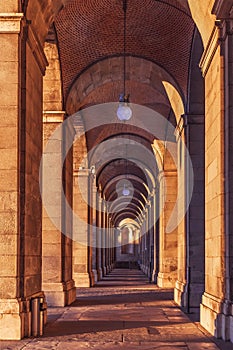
[[122, 312]]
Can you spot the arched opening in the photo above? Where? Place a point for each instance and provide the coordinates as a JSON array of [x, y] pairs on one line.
[[161, 180]]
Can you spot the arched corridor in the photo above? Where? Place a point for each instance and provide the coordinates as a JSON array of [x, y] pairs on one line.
[[115, 157], [121, 312]]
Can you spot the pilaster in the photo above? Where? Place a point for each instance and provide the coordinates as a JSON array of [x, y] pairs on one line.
[[216, 307], [168, 240], [99, 235], [57, 279], [94, 275], [80, 231], [190, 283]]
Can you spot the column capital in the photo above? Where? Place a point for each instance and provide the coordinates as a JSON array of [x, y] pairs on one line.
[[166, 173], [53, 116], [225, 27], [193, 119], [223, 9], [81, 172], [11, 23]]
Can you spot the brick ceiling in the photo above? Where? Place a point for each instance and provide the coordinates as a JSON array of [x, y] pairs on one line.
[[158, 31], [90, 30]]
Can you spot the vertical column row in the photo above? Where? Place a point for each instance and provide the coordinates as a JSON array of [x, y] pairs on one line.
[[168, 240]]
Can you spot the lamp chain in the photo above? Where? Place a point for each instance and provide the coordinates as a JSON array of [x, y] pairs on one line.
[[124, 53]]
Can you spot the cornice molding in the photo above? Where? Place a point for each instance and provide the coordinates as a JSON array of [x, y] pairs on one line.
[[36, 48], [210, 51], [53, 116], [10, 23], [223, 9]]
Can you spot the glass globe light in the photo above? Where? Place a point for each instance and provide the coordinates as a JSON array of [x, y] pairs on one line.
[[124, 112], [125, 191]]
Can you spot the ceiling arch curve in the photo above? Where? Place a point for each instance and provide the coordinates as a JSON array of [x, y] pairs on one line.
[[88, 31], [102, 82]]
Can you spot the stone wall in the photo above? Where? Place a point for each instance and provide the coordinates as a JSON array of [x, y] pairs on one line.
[[23, 65], [58, 175]]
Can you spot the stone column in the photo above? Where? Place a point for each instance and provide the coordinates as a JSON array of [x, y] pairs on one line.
[[99, 236], [190, 284], [103, 237], [147, 242], [57, 246], [81, 231], [216, 64], [155, 218], [144, 245], [168, 240], [22, 66], [107, 233], [227, 34], [94, 232], [112, 246], [151, 237]]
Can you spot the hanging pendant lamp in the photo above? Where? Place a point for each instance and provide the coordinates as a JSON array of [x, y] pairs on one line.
[[124, 112]]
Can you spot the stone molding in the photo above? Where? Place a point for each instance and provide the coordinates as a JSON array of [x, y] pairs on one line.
[[10, 23], [223, 8], [166, 173], [210, 51], [36, 48], [53, 117]]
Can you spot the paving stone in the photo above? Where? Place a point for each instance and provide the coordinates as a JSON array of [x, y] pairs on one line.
[[129, 317], [13, 345], [202, 346]]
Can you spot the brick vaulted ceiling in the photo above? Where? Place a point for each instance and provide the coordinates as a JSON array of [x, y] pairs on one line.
[[91, 31], [160, 31]]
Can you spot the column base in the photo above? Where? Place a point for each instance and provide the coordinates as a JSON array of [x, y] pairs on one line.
[[104, 269], [109, 268], [166, 279], [60, 294], [17, 320], [154, 278], [144, 269], [82, 279], [99, 274], [179, 291], [217, 317], [94, 277]]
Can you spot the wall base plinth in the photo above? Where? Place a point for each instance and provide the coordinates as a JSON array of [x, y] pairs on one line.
[[166, 280], [100, 274], [16, 317], [109, 268], [179, 291], [188, 297], [217, 317], [82, 279], [94, 277], [154, 277], [60, 294]]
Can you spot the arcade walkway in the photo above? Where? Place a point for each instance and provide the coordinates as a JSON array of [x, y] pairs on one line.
[[122, 312]]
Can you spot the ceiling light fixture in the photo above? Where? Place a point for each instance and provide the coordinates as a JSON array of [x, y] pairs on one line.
[[125, 191], [124, 112]]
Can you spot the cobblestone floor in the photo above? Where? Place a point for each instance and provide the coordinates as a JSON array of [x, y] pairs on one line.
[[123, 312]]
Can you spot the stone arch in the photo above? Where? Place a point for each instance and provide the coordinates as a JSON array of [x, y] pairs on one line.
[[106, 71], [202, 15]]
